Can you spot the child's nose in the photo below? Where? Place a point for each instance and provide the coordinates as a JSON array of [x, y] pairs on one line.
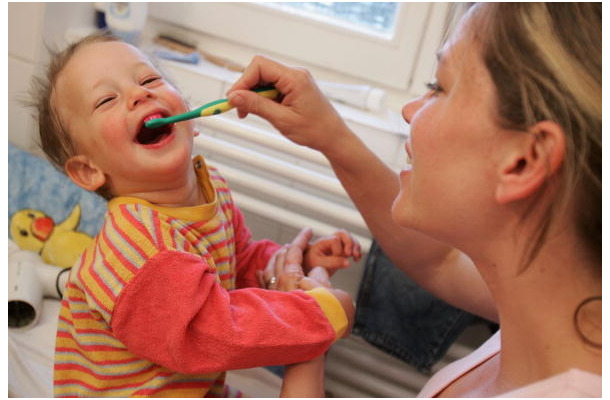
[[138, 95]]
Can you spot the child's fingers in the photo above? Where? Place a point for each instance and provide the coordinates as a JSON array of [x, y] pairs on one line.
[[357, 252], [351, 246], [335, 244], [333, 262], [345, 240], [326, 245]]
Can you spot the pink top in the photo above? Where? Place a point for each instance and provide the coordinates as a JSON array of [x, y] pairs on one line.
[[572, 383]]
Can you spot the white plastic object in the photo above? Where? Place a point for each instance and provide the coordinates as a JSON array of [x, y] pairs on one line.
[[126, 19], [362, 96], [29, 280]]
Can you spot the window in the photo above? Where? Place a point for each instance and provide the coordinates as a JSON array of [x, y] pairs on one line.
[[375, 18], [393, 60]]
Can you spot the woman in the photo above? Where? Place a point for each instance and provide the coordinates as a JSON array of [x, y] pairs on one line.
[[499, 212]]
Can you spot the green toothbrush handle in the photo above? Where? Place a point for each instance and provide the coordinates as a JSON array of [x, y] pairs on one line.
[[213, 108]]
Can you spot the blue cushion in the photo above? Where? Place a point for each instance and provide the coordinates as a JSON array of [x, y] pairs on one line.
[[34, 183]]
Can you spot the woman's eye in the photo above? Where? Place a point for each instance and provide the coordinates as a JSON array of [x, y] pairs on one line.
[[434, 88]]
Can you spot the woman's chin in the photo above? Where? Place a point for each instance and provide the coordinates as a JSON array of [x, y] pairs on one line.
[[398, 211]]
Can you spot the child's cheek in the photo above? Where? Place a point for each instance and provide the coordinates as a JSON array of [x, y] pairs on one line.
[[176, 100], [115, 133]]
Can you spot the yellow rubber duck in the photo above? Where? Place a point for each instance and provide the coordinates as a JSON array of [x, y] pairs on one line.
[[57, 244]]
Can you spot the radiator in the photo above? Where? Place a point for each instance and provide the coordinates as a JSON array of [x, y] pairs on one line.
[[277, 179]]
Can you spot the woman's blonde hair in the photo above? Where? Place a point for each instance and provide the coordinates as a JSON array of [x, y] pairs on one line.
[[545, 60]]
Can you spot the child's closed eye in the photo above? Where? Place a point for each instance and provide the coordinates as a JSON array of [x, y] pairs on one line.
[[103, 101], [149, 80]]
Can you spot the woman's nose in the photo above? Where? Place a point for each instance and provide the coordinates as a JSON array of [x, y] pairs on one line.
[[409, 109]]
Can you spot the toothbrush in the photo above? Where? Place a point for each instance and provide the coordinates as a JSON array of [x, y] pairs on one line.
[[213, 108]]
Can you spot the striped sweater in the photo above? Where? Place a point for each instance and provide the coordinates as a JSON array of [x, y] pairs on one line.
[[166, 299]]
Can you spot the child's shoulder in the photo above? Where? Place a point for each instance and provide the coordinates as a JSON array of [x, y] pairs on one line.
[[130, 212], [130, 223]]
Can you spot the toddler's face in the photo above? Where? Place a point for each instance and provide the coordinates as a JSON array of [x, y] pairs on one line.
[[103, 96]]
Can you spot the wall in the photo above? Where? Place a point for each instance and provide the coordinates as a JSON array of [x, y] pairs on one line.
[[34, 27]]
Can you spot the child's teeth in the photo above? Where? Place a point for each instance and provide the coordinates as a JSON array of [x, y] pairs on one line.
[[154, 116]]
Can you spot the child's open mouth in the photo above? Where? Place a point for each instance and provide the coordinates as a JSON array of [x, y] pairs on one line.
[[153, 135]]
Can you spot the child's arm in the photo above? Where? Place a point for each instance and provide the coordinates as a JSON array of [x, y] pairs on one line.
[[171, 307], [251, 256], [304, 380], [331, 252], [177, 315]]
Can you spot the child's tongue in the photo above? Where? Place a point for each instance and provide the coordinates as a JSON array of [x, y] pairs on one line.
[[151, 136]]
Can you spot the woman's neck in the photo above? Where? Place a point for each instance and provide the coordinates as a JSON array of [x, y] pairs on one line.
[[537, 308]]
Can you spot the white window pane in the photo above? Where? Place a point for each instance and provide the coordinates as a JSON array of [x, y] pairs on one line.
[[375, 17]]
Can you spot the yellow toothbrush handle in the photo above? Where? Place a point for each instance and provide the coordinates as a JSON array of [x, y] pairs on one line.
[[223, 105], [269, 93], [216, 109]]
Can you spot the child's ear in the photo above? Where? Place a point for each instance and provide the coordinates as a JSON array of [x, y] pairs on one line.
[[533, 160], [84, 172]]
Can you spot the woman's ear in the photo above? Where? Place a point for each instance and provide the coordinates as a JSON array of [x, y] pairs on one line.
[[534, 159], [84, 172]]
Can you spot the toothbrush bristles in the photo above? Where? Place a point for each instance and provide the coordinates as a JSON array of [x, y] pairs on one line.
[[155, 123]]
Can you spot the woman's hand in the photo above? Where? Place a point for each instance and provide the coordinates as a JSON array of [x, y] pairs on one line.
[[302, 113], [284, 269], [284, 272]]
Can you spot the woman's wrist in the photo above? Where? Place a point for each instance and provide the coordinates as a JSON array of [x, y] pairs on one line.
[[341, 137]]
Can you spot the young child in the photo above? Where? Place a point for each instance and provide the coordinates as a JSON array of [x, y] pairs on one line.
[[173, 290]]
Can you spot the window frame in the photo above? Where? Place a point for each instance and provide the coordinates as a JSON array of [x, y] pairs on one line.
[[334, 47]]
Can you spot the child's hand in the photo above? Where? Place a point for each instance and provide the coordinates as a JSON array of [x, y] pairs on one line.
[[332, 252]]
